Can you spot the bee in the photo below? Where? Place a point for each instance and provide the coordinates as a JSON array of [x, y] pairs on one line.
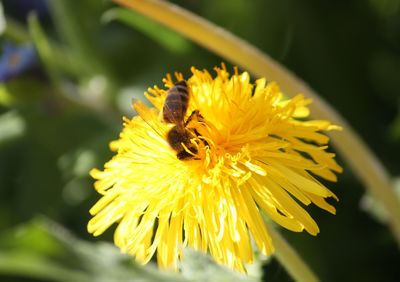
[[174, 111]]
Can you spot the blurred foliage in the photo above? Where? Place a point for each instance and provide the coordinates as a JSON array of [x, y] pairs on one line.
[[44, 250], [57, 118]]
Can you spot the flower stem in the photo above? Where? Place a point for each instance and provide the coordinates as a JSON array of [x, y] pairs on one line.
[[363, 162], [290, 259]]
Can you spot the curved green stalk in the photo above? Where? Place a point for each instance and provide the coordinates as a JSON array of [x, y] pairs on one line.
[[290, 259], [363, 162]]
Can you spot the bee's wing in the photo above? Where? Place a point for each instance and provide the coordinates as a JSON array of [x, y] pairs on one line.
[[141, 109], [147, 115], [171, 118]]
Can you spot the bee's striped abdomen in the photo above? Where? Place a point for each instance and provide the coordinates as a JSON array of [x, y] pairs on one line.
[[176, 103]]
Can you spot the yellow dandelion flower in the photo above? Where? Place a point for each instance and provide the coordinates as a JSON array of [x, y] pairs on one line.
[[246, 150]]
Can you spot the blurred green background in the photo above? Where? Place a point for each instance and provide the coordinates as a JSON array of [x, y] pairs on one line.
[[62, 104]]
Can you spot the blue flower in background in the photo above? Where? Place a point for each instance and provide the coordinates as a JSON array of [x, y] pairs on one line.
[[16, 59]]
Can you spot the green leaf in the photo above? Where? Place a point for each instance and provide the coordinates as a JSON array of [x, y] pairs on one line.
[[42, 45], [159, 33], [44, 249], [55, 59], [73, 28], [35, 266], [203, 268], [15, 31], [28, 251], [75, 260]]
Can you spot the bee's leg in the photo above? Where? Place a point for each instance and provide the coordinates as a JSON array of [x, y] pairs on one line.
[[190, 118], [195, 115], [184, 155], [202, 139]]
